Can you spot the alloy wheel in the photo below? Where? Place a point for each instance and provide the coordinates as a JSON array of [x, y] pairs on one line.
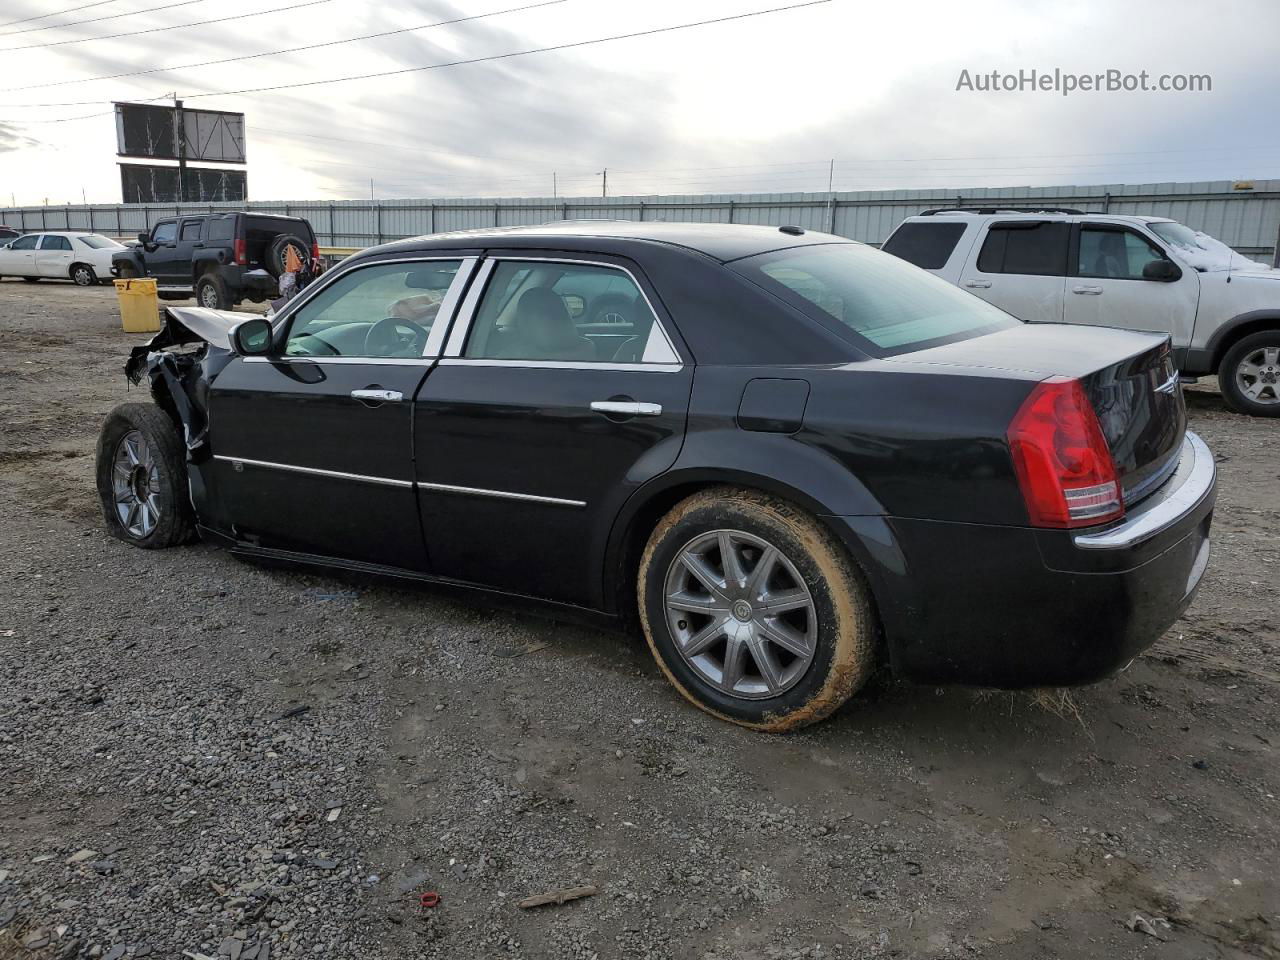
[[135, 482], [209, 296], [740, 614], [1258, 375]]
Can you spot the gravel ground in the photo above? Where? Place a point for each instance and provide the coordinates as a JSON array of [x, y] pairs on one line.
[[203, 757]]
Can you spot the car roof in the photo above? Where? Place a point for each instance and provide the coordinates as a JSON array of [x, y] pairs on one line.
[[968, 215], [67, 233], [720, 241]]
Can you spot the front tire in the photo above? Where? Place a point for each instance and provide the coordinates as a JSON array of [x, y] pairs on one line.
[[211, 292], [754, 612], [142, 478], [1249, 375], [83, 276]]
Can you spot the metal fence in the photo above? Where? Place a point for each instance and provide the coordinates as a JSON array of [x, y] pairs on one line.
[[1246, 219]]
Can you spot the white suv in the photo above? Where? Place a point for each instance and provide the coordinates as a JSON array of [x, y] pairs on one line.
[[1141, 273]]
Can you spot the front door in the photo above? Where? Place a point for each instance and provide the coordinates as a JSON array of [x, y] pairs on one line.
[[1021, 268], [537, 425], [1107, 287], [313, 445], [53, 259], [19, 260]]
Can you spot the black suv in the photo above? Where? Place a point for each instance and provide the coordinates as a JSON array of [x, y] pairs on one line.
[[221, 258]]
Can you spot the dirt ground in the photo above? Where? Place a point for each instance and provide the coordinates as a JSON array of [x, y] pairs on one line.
[[198, 754]]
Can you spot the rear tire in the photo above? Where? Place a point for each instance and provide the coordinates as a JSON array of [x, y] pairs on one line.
[[211, 292], [127, 271], [788, 633], [1249, 375], [82, 275], [142, 478]]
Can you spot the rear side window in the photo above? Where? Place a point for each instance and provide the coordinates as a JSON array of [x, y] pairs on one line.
[[55, 243], [222, 228], [190, 229], [1027, 247], [885, 305], [927, 245]]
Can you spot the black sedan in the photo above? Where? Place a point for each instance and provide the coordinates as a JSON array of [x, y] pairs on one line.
[[787, 454]]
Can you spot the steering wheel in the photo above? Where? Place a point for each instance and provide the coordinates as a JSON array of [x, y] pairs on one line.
[[298, 347], [396, 337]]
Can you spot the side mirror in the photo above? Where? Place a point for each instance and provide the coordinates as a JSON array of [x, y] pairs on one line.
[[144, 238], [1164, 270], [251, 337]]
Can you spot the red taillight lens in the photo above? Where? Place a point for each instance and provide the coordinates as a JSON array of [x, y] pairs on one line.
[[1062, 459], [241, 257], [315, 249]]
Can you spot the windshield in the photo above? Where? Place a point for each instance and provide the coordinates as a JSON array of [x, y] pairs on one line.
[[1200, 250], [887, 304], [98, 242]]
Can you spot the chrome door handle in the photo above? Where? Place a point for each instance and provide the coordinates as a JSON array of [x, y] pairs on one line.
[[382, 396], [627, 408], [1086, 289], [979, 284]]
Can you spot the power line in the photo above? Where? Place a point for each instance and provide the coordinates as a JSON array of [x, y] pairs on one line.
[[45, 16], [176, 26], [113, 16], [267, 53]]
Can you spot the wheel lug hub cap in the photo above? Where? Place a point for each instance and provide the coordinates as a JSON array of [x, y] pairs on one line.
[[741, 610]]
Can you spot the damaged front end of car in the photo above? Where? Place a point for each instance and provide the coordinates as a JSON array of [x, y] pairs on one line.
[[180, 363]]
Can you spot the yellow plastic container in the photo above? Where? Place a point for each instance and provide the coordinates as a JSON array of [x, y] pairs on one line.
[[139, 305]]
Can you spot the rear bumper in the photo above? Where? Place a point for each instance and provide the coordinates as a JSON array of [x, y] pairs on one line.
[[1018, 607]]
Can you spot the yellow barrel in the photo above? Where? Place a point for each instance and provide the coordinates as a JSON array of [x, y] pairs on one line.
[[139, 305]]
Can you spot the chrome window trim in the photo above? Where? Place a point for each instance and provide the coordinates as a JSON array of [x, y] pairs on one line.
[[466, 317], [1143, 524], [314, 471], [462, 325], [562, 364], [284, 318], [502, 494], [376, 361]]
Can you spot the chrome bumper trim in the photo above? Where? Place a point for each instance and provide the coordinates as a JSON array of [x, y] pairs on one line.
[[1143, 524]]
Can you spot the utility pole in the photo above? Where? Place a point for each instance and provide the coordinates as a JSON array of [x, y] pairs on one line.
[[604, 182], [180, 148], [371, 189], [831, 197], [554, 190]]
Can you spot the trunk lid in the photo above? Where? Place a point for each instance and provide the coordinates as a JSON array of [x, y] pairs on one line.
[[1128, 376]]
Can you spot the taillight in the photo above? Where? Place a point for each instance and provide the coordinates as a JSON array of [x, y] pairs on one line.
[[315, 249], [241, 257], [1062, 459]]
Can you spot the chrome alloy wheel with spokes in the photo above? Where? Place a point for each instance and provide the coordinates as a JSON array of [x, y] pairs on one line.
[[1258, 375], [135, 482], [740, 614]]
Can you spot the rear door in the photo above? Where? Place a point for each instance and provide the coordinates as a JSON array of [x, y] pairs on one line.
[[313, 445], [190, 239], [1020, 266], [53, 258], [533, 431], [1106, 287]]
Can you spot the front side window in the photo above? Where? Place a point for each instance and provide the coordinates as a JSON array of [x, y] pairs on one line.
[[1028, 247], [885, 304], [1114, 254], [386, 310], [25, 243], [927, 245], [165, 232], [191, 230], [55, 243], [565, 312]]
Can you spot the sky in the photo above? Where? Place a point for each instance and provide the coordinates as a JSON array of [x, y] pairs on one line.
[[758, 104]]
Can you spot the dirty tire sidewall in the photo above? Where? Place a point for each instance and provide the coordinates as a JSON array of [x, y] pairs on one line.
[[276, 253], [847, 634], [126, 271], [1231, 392], [177, 519], [211, 292]]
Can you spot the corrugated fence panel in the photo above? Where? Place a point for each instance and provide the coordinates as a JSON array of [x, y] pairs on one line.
[[1248, 220]]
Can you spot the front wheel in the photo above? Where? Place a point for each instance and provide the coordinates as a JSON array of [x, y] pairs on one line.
[[83, 276], [753, 610], [142, 478], [1250, 375]]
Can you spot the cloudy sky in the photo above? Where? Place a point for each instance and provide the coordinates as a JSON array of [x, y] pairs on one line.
[[756, 104]]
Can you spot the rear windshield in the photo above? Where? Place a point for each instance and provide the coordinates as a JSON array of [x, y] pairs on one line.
[[886, 304], [97, 241], [927, 245]]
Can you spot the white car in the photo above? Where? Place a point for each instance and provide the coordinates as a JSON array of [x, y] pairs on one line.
[[79, 256], [1221, 309]]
